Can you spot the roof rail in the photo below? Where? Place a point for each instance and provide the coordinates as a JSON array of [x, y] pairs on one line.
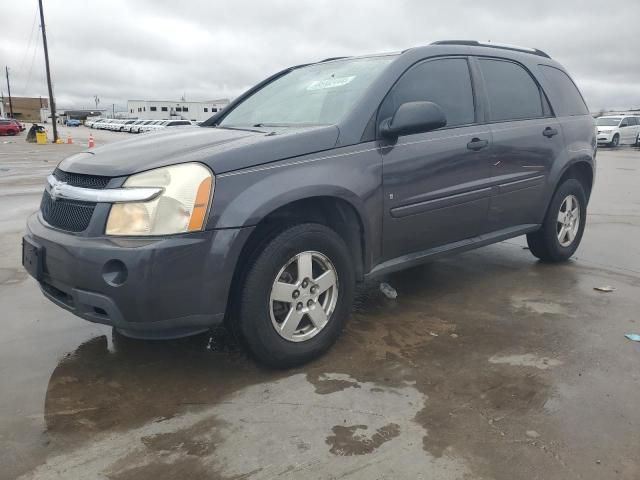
[[475, 43], [331, 58]]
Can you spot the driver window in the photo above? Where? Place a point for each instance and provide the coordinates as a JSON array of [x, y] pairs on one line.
[[446, 82]]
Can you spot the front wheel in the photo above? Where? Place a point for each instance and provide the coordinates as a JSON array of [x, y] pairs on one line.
[[563, 226], [297, 295], [615, 141]]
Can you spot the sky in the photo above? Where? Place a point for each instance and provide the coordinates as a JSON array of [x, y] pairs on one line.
[[206, 49]]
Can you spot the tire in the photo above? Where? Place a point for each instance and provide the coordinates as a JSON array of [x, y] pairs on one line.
[[545, 243], [615, 141], [12, 132], [262, 320]]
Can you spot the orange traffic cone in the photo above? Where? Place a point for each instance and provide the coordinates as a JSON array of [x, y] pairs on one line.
[[69, 140], [92, 143]]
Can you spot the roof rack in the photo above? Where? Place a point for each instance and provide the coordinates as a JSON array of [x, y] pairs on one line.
[[331, 59], [475, 43]]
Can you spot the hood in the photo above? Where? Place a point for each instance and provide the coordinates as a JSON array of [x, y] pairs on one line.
[[222, 149]]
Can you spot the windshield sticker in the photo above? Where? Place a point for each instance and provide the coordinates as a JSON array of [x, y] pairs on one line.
[[330, 83]]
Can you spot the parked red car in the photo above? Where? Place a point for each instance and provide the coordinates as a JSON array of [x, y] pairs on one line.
[[8, 127], [20, 125]]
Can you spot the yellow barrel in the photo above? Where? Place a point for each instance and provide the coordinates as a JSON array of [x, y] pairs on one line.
[[41, 138]]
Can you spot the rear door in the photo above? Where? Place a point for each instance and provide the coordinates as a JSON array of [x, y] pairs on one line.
[[628, 130], [435, 183], [635, 128], [625, 131], [527, 139]]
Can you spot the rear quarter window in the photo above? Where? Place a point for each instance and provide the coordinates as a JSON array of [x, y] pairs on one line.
[[565, 96]]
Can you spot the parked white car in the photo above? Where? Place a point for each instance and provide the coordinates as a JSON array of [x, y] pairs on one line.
[[614, 130], [124, 125], [105, 124], [95, 122], [152, 126], [130, 125], [89, 122], [135, 128], [178, 123]]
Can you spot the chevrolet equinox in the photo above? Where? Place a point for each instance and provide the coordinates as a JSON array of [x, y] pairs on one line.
[[320, 176]]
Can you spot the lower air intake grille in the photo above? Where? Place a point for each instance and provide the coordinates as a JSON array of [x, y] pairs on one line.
[[68, 215]]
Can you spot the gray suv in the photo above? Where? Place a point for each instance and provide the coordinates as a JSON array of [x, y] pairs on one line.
[[319, 177]]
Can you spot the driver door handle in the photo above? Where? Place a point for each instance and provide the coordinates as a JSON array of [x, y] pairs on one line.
[[549, 132], [477, 144]]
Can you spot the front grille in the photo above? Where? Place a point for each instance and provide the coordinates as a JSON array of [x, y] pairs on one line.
[[82, 180], [71, 215]]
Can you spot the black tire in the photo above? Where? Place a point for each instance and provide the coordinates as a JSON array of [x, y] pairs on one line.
[[615, 141], [544, 243], [255, 325], [12, 133]]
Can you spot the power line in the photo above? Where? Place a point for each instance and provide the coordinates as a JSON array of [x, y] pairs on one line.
[[33, 25], [33, 58]]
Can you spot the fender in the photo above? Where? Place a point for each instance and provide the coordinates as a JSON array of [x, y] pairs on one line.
[[352, 174]]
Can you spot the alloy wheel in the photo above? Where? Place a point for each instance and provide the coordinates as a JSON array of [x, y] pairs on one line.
[[568, 220], [303, 296]]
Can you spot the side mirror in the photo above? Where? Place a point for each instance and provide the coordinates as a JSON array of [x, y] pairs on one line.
[[413, 117]]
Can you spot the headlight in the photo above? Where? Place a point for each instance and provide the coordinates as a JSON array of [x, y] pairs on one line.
[[181, 207]]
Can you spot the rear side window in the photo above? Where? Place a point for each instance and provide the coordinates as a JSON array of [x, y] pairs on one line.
[[446, 82], [565, 97], [513, 94]]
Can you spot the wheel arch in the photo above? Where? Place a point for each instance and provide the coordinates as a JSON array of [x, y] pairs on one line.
[[333, 211], [581, 170]]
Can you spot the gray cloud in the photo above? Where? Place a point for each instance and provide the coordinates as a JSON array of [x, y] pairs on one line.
[[161, 49]]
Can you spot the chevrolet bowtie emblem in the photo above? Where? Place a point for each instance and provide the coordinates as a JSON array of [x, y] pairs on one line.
[[56, 190]]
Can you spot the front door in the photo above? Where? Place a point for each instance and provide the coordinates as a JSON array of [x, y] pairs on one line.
[[436, 184]]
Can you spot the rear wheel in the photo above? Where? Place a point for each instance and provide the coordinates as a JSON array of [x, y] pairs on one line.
[[563, 226], [296, 295]]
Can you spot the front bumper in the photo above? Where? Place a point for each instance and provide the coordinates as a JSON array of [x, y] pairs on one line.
[[161, 287], [604, 137]]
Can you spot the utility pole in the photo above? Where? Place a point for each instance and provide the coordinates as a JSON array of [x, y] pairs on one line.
[[113, 106], [6, 69], [52, 104]]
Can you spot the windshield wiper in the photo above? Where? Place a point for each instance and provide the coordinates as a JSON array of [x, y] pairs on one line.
[[258, 125]]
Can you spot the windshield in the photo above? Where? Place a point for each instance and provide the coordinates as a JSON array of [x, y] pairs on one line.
[[608, 122], [319, 94]]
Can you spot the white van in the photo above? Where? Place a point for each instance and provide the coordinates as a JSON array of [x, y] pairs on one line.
[[614, 130]]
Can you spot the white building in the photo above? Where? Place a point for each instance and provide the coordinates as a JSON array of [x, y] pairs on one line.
[[161, 109]]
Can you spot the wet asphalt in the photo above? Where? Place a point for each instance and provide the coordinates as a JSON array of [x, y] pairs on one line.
[[488, 365]]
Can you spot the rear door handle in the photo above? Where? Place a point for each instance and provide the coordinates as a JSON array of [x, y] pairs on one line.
[[477, 144], [549, 132]]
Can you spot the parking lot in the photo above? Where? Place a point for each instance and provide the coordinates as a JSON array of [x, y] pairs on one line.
[[488, 365]]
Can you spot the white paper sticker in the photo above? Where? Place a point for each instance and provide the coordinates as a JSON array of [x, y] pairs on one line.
[[330, 83]]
